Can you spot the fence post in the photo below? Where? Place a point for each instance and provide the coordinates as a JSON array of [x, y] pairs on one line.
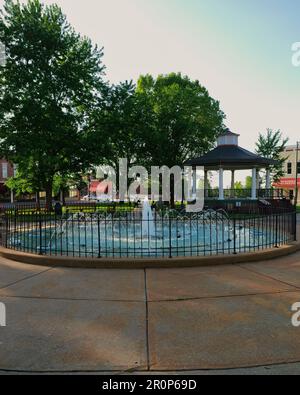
[[276, 234], [234, 236], [295, 226], [15, 220], [99, 240], [14, 228], [170, 237], [41, 238], [6, 230]]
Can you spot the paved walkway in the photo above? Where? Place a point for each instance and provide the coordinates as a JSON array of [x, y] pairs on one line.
[[224, 317]]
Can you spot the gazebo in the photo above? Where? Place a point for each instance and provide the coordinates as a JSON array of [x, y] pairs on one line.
[[229, 156]]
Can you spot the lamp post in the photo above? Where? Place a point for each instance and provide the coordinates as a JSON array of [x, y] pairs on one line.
[[182, 189], [89, 186], [297, 172]]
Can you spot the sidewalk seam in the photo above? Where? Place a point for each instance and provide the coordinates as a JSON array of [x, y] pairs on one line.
[[147, 322], [26, 278], [224, 296], [268, 276]]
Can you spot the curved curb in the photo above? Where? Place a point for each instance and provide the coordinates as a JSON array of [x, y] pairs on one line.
[[152, 371], [127, 263]]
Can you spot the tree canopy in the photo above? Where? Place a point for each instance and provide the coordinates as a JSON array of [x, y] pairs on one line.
[[272, 145], [183, 120], [118, 125], [59, 118], [49, 86]]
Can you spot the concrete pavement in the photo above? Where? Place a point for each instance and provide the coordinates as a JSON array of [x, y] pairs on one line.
[[231, 317]]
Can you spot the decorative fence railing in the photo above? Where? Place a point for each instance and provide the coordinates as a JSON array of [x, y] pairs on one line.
[[268, 194], [128, 235]]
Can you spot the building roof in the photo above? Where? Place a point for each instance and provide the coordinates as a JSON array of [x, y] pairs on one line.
[[228, 132], [290, 148], [230, 157]]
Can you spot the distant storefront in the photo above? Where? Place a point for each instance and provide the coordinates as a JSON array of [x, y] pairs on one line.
[[288, 181]]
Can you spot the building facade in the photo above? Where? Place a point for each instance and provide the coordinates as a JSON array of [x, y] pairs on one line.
[[291, 168], [6, 171]]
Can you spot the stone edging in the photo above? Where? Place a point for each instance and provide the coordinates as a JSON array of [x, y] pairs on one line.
[[126, 263]]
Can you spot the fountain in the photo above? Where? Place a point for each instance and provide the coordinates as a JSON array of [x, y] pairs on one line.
[[148, 227], [143, 233]]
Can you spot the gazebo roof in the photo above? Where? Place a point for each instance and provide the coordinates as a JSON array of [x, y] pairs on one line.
[[230, 157], [227, 132]]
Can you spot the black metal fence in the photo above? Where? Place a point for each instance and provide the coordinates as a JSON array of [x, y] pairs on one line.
[[128, 235]]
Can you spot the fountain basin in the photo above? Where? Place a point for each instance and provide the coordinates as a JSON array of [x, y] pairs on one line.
[[129, 235]]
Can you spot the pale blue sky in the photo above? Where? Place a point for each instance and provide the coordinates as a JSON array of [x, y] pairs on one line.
[[239, 49]]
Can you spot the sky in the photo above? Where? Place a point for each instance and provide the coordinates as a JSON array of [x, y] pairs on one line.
[[240, 50]]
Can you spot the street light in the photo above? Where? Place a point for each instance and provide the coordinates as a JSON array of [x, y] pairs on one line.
[[297, 172]]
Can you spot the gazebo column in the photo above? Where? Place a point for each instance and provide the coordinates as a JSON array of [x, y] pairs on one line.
[[258, 179], [232, 183], [254, 186], [206, 183], [221, 184], [258, 183], [268, 179], [194, 193], [190, 187]]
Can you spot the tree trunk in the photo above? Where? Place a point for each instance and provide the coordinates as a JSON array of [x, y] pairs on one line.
[[37, 200], [49, 195], [63, 197]]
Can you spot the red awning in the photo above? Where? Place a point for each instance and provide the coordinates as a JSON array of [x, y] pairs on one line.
[[287, 183], [99, 187]]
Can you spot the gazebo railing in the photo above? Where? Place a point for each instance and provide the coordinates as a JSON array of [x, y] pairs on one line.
[[245, 193]]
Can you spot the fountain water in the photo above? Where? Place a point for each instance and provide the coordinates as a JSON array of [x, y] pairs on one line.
[[148, 227], [143, 233]]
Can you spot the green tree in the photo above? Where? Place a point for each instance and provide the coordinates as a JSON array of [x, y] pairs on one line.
[[182, 120], [119, 127], [28, 179], [61, 184], [248, 182], [239, 189], [238, 185], [20, 185], [118, 122], [49, 87], [272, 145]]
